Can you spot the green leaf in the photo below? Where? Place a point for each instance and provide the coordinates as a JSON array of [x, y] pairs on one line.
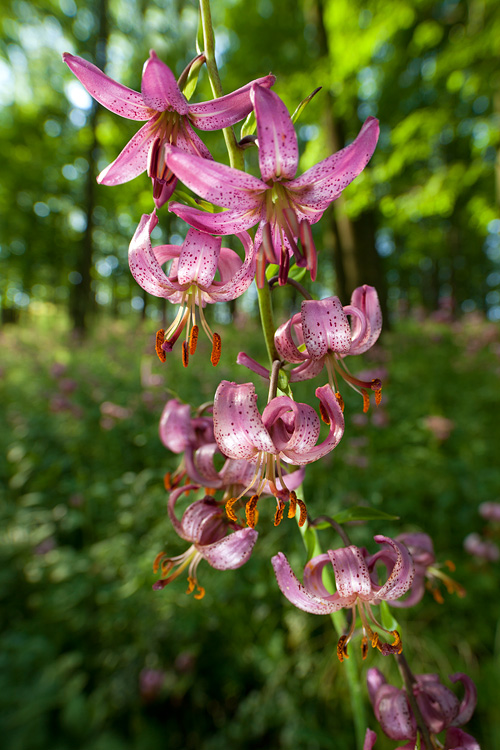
[[303, 104], [249, 125], [272, 270], [297, 273], [362, 513], [190, 76], [188, 199], [388, 620]]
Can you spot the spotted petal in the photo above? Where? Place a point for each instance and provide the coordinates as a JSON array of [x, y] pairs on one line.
[[324, 182], [402, 574], [278, 149], [198, 259], [325, 327], [238, 428], [352, 578], [133, 160], [159, 87], [176, 431], [367, 318], [226, 110], [112, 95], [296, 593], [231, 552]]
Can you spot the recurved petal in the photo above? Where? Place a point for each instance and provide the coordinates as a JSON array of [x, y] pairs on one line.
[[437, 704], [172, 499], [294, 427], [231, 552], [241, 278], [296, 593], [285, 343], [468, 704], [307, 370], [456, 739], [374, 681], [198, 259], [112, 95], [226, 222], [217, 183], [364, 334], [402, 573], [143, 262], [325, 327], [204, 522], [352, 578], [333, 412], [238, 428], [394, 714], [313, 575], [325, 181], [226, 110], [133, 160], [278, 150], [176, 432], [370, 739], [251, 364], [159, 87]]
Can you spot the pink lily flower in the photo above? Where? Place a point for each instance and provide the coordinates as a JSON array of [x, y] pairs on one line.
[[181, 433], [439, 707], [286, 431], [169, 119], [356, 589], [428, 573], [283, 205], [205, 525], [324, 337], [191, 280]]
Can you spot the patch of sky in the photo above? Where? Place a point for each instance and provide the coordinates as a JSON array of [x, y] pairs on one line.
[[103, 296], [77, 220], [77, 95], [6, 85], [222, 313], [494, 313], [70, 172], [384, 242], [137, 303], [106, 266], [52, 128], [83, 25], [41, 209], [78, 118], [68, 7], [308, 132]]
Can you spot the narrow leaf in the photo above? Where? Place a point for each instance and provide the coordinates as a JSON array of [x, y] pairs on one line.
[[362, 513], [303, 104]]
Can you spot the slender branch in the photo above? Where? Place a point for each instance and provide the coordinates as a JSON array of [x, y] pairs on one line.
[[267, 321], [273, 379], [274, 280], [236, 157], [337, 526], [409, 681]]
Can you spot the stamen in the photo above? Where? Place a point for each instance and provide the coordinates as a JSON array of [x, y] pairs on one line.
[[342, 648], [193, 339], [167, 481], [364, 647], [284, 265], [191, 585], [260, 268], [303, 512], [378, 396], [366, 401], [450, 565], [340, 400], [250, 511], [156, 563], [292, 508], [160, 336], [200, 593], [210, 491], [278, 516], [229, 509], [323, 413], [216, 350], [185, 353]]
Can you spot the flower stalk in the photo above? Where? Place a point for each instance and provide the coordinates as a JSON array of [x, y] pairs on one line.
[[236, 158]]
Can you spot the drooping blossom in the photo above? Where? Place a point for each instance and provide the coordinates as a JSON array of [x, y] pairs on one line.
[[205, 525], [287, 431], [181, 433], [191, 281], [283, 205], [438, 705], [321, 336], [355, 590], [428, 573], [490, 511], [484, 549], [169, 119]]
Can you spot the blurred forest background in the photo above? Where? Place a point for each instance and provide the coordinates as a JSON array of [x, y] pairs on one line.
[[90, 657]]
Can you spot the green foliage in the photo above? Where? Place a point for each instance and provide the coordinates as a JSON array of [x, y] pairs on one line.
[[83, 516]]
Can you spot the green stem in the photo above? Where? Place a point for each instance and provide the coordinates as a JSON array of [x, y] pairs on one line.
[[349, 666], [267, 321], [236, 158]]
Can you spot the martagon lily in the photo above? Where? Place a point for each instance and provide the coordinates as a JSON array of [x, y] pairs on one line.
[[283, 205], [356, 589], [321, 336], [191, 280], [440, 709], [287, 431], [205, 525], [169, 119]]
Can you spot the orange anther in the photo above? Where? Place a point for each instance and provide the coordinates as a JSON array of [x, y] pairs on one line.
[[156, 563], [280, 509], [303, 512], [324, 414], [167, 481], [216, 350], [364, 647], [340, 400], [229, 509], [185, 353], [378, 396], [342, 648], [160, 338], [250, 511], [293, 504], [193, 339], [366, 401], [191, 585], [200, 593]]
